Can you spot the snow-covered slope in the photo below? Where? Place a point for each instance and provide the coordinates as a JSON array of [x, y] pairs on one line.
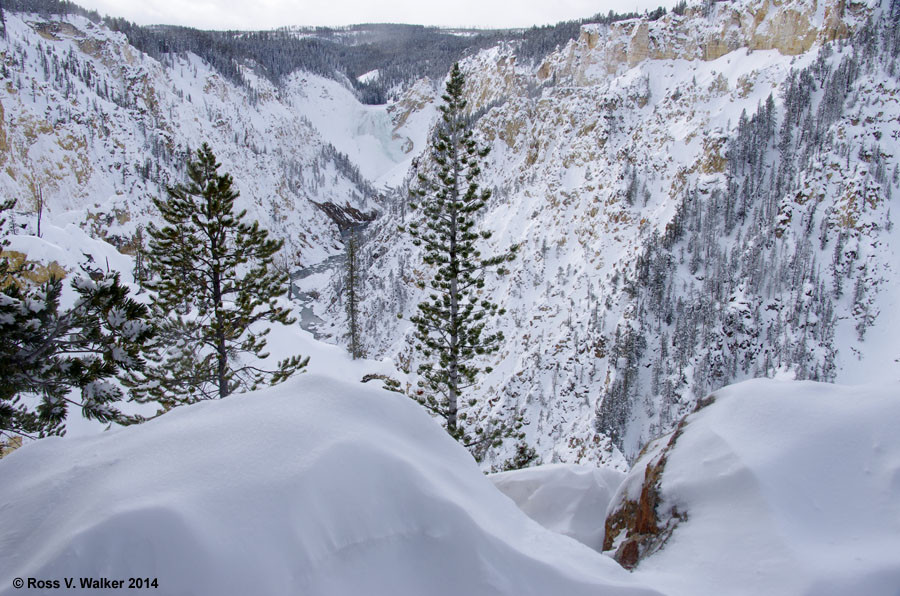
[[787, 488], [678, 229], [96, 129], [315, 487]]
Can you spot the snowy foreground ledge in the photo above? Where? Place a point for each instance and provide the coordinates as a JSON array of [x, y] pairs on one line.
[[316, 487], [320, 487], [788, 488]]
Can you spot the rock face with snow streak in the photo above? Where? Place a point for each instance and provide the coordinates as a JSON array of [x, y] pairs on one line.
[[315, 487], [774, 487]]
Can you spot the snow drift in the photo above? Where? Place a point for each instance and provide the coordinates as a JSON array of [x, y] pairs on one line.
[[569, 499], [788, 488], [313, 487]]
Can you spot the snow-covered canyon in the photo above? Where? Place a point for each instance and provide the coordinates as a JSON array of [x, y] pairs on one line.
[[700, 200]]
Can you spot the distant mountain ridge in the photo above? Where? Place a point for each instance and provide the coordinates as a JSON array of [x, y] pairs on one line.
[[401, 53]]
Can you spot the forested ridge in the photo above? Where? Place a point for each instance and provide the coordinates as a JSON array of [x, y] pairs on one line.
[[400, 53]]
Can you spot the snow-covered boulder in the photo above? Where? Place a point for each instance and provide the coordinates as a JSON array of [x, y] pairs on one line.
[[569, 499], [315, 487], [774, 487]]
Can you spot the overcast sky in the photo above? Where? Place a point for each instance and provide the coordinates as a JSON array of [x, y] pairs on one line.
[[269, 14]]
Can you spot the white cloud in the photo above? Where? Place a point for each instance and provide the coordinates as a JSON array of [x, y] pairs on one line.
[[269, 14]]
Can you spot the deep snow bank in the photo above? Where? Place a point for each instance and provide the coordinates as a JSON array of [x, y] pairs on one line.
[[313, 487], [570, 499], [790, 488]]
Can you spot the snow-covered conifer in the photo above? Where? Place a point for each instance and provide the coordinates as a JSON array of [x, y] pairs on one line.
[[48, 353], [213, 281], [450, 325], [352, 296]]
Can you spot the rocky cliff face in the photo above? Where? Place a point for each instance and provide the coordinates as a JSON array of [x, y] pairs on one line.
[[704, 33]]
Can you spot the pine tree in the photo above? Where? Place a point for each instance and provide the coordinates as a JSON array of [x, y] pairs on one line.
[[214, 280], [450, 325], [352, 296], [48, 353], [139, 273]]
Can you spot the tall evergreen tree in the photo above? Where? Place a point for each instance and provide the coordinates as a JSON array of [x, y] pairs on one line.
[[450, 325], [352, 296], [139, 273], [47, 353], [214, 280]]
